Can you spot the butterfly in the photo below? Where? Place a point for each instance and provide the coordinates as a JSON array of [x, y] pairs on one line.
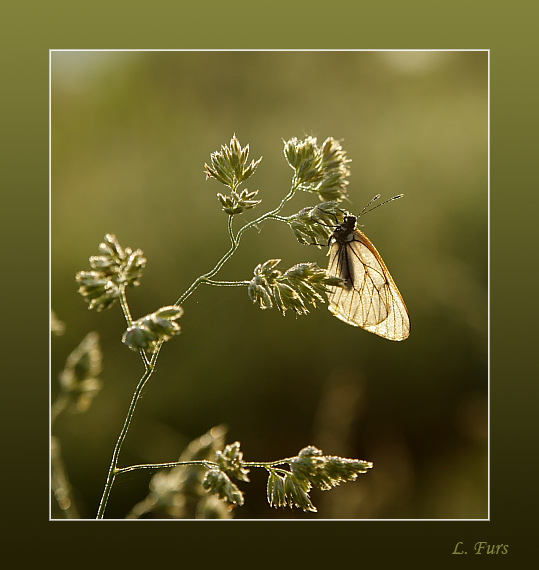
[[369, 299]]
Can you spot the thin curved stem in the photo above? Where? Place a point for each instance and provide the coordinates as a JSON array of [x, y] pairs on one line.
[[129, 320], [226, 283], [203, 463], [113, 469], [266, 464], [230, 232], [273, 214], [211, 273], [149, 363], [125, 307], [269, 215]]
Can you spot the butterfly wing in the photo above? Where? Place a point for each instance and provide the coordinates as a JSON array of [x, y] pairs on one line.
[[370, 298]]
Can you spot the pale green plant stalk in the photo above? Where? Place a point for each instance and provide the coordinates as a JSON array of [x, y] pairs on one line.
[[151, 363], [321, 170], [113, 469], [235, 239]]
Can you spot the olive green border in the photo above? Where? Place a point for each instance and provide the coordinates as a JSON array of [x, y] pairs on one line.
[[29, 32]]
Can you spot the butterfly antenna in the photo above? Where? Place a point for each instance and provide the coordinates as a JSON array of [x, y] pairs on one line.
[[366, 210]]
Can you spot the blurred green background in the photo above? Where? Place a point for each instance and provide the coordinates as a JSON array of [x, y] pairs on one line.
[[131, 132]]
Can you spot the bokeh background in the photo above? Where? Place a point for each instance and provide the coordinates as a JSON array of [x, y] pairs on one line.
[[130, 133]]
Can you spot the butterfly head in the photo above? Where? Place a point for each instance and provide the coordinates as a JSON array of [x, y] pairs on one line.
[[344, 232]]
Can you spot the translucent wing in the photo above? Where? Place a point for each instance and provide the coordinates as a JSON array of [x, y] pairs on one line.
[[370, 298]]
